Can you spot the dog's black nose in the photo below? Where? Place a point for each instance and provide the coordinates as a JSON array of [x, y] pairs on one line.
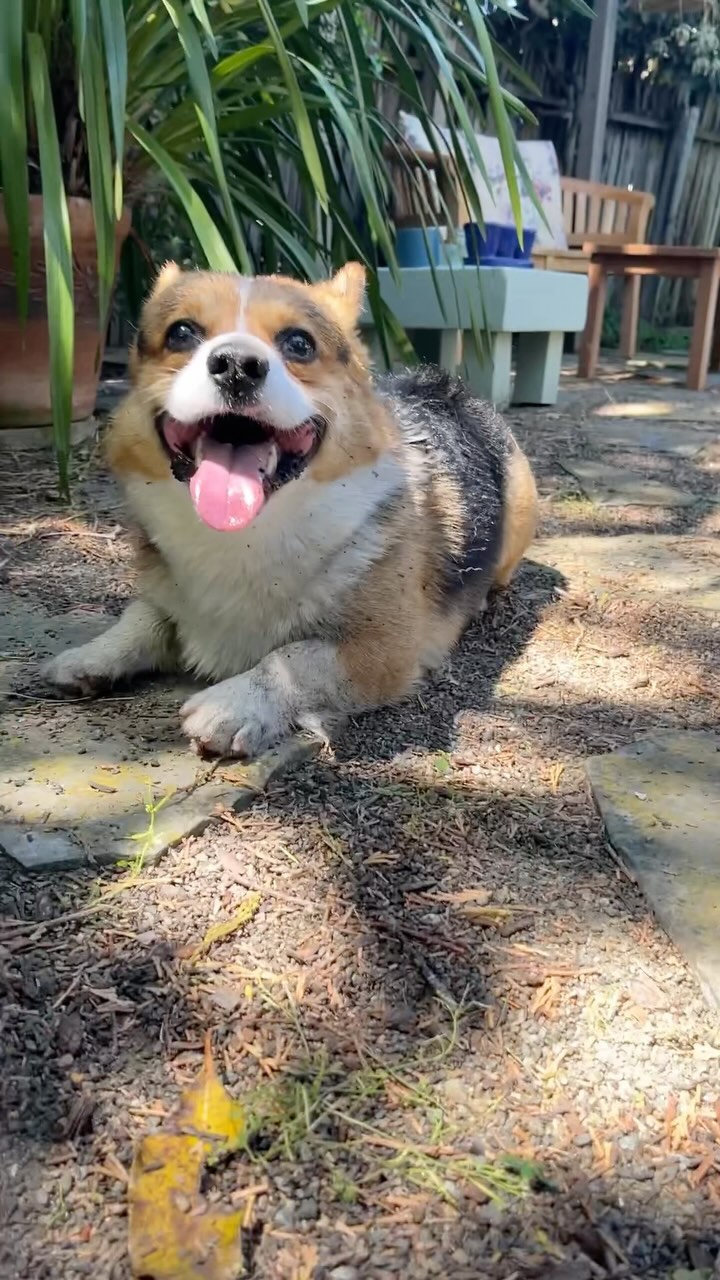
[[237, 375]]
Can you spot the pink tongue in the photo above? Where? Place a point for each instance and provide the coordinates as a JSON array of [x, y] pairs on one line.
[[227, 488]]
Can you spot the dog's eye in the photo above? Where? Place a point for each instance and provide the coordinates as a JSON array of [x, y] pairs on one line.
[[183, 335], [296, 345]]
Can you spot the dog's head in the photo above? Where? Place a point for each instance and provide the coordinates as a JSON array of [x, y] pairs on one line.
[[243, 385]]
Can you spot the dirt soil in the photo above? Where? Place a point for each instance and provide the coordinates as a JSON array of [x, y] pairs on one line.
[[465, 1047]]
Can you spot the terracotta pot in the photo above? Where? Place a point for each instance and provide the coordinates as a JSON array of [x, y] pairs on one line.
[[24, 352]]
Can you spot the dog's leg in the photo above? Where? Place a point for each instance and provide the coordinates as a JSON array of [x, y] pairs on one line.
[[308, 684], [297, 686], [141, 640]]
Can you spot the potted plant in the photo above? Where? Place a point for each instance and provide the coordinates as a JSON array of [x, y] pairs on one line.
[[259, 120], [84, 83]]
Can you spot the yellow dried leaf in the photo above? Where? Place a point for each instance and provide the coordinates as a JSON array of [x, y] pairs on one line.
[[207, 1111], [225, 928], [556, 772], [172, 1233]]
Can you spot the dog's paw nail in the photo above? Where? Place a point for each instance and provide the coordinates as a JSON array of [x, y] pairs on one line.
[[241, 745]]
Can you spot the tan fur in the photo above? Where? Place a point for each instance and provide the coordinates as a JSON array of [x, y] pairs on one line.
[[388, 650], [520, 516]]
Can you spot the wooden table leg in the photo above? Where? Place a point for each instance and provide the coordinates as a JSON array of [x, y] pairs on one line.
[[703, 323], [590, 343], [630, 316], [715, 348]]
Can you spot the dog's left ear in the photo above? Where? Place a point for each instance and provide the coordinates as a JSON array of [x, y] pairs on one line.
[[168, 274], [346, 290]]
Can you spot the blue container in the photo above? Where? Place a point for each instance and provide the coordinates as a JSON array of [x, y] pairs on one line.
[[498, 246], [481, 245], [418, 246], [527, 244], [507, 242]]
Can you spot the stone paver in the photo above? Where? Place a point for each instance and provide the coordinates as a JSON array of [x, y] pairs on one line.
[[660, 802], [98, 781], [659, 566], [610, 486], [653, 436]]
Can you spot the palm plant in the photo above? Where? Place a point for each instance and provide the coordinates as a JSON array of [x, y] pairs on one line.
[[259, 119]]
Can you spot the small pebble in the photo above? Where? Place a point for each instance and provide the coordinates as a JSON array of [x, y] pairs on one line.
[[284, 1216]]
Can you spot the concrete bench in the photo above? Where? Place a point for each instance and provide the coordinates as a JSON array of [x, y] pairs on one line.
[[538, 306]]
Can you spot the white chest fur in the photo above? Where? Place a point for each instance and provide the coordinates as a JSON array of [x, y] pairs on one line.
[[235, 597]]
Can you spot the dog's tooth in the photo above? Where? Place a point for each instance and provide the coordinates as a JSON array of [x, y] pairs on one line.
[[272, 462]]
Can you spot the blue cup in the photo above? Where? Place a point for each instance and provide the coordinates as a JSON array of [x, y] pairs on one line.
[[418, 246], [479, 244]]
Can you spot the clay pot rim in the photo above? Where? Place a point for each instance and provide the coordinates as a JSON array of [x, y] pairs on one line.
[[82, 223]]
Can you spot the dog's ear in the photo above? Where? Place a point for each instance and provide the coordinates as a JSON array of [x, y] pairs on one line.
[[346, 291], [168, 274]]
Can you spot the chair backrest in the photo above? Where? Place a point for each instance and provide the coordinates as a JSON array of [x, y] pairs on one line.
[[594, 213]]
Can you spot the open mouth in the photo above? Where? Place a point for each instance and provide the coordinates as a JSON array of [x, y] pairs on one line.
[[233, 463]]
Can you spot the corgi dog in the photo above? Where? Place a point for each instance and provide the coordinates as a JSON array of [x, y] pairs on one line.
[[309, 541]]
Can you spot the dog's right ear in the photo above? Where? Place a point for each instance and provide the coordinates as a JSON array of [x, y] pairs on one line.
[[169, 274]]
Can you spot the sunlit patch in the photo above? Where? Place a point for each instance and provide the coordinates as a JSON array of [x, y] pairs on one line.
[[640, 409]]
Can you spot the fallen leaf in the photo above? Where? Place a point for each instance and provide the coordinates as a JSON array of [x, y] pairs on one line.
[[544, 1002], [224, 928], [477, 895], [647, 993], [441, 763], [172, 1233]]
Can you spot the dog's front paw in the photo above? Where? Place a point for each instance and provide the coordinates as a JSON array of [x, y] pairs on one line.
[[80, 671], [239, 717]]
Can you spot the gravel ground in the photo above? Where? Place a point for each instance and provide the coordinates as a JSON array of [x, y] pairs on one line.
[[465, 1047]]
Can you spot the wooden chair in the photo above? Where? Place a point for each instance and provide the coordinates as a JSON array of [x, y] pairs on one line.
[[598, 215]]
